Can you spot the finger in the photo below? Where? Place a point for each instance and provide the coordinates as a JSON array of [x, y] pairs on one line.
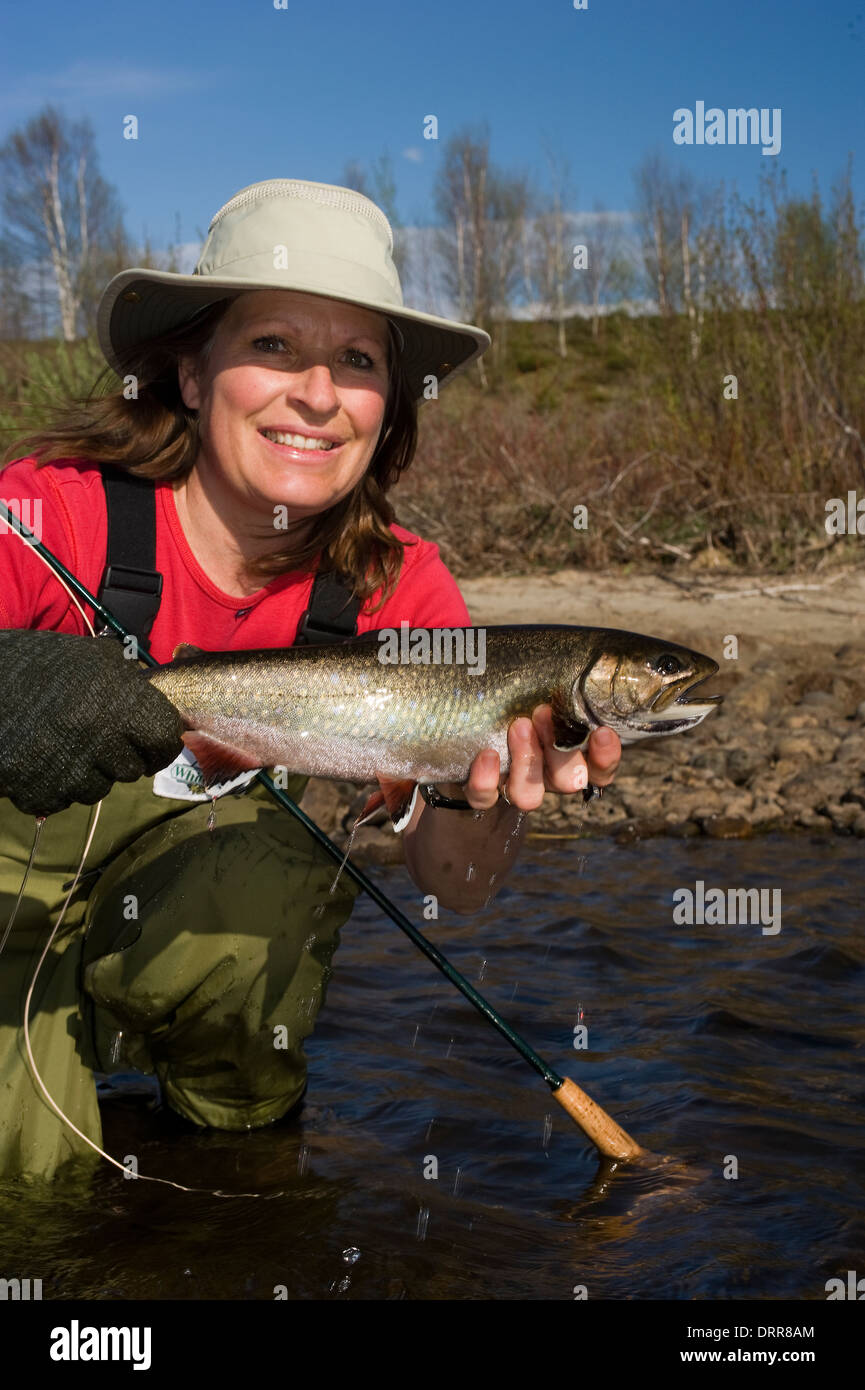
[[482, 788], [525, 784], [603, 756], [564, 770]]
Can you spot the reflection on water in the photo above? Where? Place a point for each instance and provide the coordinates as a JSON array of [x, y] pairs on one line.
[[719, 1048]]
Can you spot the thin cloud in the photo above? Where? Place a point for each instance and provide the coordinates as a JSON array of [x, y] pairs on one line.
[[414, 154], [87, 79]]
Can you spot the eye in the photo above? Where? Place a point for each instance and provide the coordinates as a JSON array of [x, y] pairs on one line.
[[270, 338], [356, 352], [667, 665]]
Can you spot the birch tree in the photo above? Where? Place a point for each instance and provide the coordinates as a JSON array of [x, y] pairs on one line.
[[59, 211]]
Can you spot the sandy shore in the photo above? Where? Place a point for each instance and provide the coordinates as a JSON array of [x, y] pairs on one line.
[[786, 750]]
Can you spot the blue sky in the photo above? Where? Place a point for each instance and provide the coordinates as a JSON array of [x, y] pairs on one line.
[[228, 92]]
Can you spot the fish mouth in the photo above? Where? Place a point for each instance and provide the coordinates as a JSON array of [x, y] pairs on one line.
[[673, 698]]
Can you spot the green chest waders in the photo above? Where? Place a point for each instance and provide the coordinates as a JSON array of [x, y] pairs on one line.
[[201, 955]]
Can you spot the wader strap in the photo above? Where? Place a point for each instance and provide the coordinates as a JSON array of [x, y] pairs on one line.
[[332, 612], [131, 586]]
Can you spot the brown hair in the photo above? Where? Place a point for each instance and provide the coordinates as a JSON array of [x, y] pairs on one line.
[[156, 436]]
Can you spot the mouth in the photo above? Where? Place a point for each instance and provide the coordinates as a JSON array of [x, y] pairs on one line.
[[673, 697], [300, 444]]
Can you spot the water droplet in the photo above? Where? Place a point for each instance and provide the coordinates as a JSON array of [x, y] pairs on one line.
[[422, 1223], [478, 815], [450, 1045], [457, 1181], [303, 1159], [516, 987], [416, 1031], [354, 830], [548, 1129], [470, 873], [351, 1255], [211, 819], [482, 972], [319, 911], [343, 1286], [116, 1042], [310, 940]]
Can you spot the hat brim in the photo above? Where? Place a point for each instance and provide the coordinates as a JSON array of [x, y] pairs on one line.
[[433, 346]]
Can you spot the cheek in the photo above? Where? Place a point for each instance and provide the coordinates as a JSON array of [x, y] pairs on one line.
[[366, 410]]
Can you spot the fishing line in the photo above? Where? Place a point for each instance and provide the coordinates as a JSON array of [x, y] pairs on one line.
[[40, 821]]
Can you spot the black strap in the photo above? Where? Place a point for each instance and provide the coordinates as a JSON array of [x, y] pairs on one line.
[[131, 585], [332, 612]]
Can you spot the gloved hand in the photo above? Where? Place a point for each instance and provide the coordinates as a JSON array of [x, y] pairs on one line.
[[77, 715]]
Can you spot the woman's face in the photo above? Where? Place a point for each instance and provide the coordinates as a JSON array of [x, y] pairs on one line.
[[282, 365]]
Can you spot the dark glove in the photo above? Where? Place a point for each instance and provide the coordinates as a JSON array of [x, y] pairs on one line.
[[77, 715]]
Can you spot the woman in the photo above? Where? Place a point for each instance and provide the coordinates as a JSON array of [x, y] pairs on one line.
[[270, 398]]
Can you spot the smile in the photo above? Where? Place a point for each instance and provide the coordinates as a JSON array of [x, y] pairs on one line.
[[299, 441]]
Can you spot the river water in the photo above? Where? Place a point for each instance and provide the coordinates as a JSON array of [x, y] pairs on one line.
[[722, 1049]]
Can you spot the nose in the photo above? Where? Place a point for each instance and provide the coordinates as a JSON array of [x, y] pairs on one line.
[[314, 386]]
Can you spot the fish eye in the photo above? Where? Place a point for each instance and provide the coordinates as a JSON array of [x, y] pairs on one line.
[[667, 665]]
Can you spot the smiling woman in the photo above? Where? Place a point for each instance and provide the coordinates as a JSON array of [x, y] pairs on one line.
[[233, 493]]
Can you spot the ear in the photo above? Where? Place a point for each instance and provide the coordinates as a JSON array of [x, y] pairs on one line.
[[187, 377]]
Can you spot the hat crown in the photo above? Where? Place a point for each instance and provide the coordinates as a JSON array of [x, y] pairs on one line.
[[333, 239], [325, 194]]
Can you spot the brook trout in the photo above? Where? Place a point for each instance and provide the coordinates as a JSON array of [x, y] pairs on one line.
[[342, 711]]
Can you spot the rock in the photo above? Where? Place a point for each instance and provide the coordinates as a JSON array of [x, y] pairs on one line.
[[820, 698], [798, 719], [842, 815], [375, 846], [758, 696], [727, 827], [713, 759], [851, 654], [743, 762], [643, 828], [816, 745], [682, 829], [816, 786], [766, 813], [328, 803]]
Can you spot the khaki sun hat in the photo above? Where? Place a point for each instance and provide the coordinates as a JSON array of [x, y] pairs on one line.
[[292, 235]]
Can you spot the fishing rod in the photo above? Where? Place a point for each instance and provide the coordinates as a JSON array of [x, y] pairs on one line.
[[607, 1136]]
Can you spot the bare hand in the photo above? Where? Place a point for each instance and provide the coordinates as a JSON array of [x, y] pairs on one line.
[[537, 767]]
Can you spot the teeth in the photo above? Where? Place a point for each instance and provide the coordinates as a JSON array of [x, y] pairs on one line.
[[297, 441]]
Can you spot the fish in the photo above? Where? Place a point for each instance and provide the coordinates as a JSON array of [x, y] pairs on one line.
[[343, 711]]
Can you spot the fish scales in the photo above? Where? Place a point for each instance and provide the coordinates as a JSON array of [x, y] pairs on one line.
[[339, 711]]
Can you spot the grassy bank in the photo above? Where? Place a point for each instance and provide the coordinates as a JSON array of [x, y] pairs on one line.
[[641, 425]]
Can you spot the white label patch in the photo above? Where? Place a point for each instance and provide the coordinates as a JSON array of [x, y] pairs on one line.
[[182, 781]]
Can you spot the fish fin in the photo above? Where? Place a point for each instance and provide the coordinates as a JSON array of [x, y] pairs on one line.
[[219, 762], [373, 803], [399, 797], [568, 733], [185, 649]]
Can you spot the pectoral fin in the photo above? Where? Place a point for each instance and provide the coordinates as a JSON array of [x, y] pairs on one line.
[[399, 798], [219, 762]]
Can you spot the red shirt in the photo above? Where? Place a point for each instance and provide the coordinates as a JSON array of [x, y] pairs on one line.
[[64, 504]]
